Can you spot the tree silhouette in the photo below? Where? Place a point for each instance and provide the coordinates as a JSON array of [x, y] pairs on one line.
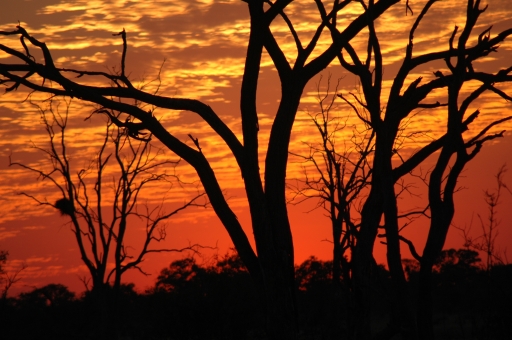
[[221, 295], [489, 225], [457, 150], [8, 277], [458, 274], [103, 200], [273, 266], [387, 118], [52, 295], [339, 171]]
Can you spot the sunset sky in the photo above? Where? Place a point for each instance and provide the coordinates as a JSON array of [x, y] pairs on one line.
[[200, 47]]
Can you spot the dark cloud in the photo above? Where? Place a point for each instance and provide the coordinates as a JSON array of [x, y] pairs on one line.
[[25, 11], [196, 20]]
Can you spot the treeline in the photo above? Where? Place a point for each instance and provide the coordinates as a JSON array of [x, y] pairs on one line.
[[219, 301]]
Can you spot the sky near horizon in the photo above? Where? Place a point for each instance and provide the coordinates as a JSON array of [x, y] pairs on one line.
[[196, 49]]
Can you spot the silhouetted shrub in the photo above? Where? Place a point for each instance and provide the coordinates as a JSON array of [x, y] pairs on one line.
[[219, 301]]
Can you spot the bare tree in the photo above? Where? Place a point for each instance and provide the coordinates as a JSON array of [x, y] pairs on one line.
[[336, 172], [486, 241], [405, 98], [273, 265], [8, 277], [103, 200], [457, 150]]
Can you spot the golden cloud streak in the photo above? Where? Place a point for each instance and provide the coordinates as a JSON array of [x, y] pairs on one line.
[[83, 39]]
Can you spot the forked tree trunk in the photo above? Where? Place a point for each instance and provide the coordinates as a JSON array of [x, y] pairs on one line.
[[381, 202], [442, 209], [362, 265]]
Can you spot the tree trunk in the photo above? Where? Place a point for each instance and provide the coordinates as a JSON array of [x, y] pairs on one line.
[[381, 200], [402, 299], [281, 318], [442, 209], [363, 255], [101, 302], [275, 243], [362, 264], [424, 308]]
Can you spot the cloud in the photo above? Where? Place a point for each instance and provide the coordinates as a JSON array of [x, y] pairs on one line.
[[38, 227], [5, 234], [39, 259], [78, 269]]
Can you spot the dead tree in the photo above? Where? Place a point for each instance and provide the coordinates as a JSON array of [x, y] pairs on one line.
[[336, 173], [456, 151], [103, 200], [8, 278], [385, 118], [272, 263], [486, 241]]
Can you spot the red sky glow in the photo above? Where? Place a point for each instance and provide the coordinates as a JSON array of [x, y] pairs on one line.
[[199, 49]]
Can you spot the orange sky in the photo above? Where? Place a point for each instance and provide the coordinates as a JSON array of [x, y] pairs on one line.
[[203, 45]]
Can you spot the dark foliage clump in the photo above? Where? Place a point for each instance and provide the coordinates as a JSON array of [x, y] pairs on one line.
[[65, 206], [470, 302], [220, 301]]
